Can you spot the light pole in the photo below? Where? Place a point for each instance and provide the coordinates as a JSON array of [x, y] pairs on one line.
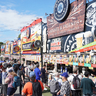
[[20, 55], [41, 44], [43, 25]]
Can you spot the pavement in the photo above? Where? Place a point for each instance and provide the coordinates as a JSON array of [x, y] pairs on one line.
[[45, 92]]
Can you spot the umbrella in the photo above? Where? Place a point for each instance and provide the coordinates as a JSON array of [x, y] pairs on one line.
[[1, 61]]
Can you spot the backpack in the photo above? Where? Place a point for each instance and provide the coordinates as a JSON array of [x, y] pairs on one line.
[[5, 65], [16, 81], [37, 90], [76, 82], [54, 86]]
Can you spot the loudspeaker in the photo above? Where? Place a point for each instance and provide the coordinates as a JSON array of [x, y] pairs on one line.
[[37, 43], [33, 47]]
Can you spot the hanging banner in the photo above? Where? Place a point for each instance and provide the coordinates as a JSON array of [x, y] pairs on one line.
[[75, 63], [87, 65], [2, 49], [93, 65]]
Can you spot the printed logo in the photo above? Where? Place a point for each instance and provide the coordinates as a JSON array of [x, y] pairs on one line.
[[61, 9], [73, 41], [91, 15]]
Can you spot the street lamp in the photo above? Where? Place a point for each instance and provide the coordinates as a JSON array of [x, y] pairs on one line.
[[43, 25]]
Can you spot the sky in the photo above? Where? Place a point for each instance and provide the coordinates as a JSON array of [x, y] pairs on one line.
[[15, 14]]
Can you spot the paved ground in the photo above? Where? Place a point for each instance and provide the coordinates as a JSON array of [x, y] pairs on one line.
[[45, 93]]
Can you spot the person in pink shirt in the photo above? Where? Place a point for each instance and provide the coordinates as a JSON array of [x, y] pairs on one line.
[[9, 81]]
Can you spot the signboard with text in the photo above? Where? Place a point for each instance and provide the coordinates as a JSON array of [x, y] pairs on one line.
[[26, 46], [73, 24], [69, 42], [30, 34]]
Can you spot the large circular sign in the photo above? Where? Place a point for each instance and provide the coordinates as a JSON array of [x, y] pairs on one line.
[[91, 15], [16, 49], [61, 9]]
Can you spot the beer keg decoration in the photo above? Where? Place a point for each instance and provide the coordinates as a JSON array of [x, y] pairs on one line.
[[61, 10], [36, 45], [16, 49]]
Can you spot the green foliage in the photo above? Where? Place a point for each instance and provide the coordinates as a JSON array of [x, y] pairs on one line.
[[1, 43], [19, 36]]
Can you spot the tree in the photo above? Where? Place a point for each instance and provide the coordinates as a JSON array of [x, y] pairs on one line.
[[1, 43], [19, 36]]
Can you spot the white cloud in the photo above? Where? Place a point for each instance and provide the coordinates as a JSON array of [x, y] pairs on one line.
[[13, 20]]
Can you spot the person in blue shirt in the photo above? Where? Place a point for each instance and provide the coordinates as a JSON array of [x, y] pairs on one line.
[[37, 72]]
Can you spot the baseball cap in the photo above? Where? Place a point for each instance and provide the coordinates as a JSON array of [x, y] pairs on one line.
[[10, 70], [32, 74], [65, 74]]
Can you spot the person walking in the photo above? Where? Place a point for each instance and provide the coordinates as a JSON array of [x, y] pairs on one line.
[[37, 72], [65, 88], [9, 80], [4, 85], [58, 78], [34, 87], [54, 85], [28, 69], [87, 85], [43, 76], [22, 77], [72, 78]]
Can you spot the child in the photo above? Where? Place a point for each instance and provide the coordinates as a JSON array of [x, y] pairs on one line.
[[4, 85]]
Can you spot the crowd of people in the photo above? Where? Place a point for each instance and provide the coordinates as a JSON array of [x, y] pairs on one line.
[[72, 84], [13, 75], [11, 70], [9, 73]]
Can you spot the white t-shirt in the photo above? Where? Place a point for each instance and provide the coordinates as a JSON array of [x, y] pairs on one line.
[[4, 75], [70, 79], [28, 69]]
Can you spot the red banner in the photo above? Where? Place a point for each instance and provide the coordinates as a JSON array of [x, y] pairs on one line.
[[81, 64], [30, 52], [93, 65], [32, 24]]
